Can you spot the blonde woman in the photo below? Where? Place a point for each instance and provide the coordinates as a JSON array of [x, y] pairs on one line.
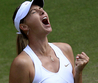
[[39, 61]]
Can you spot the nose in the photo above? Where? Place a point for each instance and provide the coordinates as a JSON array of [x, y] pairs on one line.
[[42, 12]]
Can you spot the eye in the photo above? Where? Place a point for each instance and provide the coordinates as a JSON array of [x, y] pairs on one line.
[[33, 12]]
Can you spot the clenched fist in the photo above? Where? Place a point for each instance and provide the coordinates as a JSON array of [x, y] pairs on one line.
[[81, 61]]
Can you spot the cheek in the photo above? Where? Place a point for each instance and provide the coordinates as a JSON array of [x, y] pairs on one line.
[[36, 23], [33, 21]]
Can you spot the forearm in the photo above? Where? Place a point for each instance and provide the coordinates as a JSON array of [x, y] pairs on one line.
[[81, 61], [78, 77]]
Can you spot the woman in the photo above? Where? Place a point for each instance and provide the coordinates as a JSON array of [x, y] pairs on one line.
[[39, 61]]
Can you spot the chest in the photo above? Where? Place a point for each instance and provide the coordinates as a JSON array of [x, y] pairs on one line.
[[49, 73], [51, 64]]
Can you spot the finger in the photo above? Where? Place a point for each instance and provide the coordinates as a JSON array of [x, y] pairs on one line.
[[83, 56], [77, 57], [83, 53], [81, 60], [86, 57], [79, 63]]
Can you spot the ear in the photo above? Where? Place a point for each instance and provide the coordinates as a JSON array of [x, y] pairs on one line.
[[24, 27]]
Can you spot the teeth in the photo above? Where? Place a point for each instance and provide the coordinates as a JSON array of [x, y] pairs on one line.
[[45, 21], [45, 18]]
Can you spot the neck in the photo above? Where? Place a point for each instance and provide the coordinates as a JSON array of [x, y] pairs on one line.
[[40, 46]]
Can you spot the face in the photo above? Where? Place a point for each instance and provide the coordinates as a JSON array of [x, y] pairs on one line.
[[37, 21]]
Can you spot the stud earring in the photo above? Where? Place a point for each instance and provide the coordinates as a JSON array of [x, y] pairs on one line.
[[28, 32]]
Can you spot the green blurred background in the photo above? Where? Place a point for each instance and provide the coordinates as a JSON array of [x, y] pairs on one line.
[[73, 21]]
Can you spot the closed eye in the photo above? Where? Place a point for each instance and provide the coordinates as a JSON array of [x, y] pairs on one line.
[[33, 11]]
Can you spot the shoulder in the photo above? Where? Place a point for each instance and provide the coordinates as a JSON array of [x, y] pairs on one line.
[[20, 61], [66, 48], [20, 68]]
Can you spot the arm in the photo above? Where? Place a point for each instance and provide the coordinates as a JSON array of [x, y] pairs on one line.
[[19, 72], [78, 77], [81, 61]]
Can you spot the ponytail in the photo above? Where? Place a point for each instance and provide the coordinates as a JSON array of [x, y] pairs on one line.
[[21, 43]]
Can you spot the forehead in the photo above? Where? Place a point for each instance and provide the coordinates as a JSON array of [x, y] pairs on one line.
[[34, 7]]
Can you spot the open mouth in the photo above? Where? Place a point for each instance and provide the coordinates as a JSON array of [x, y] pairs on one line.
[[45, 21]]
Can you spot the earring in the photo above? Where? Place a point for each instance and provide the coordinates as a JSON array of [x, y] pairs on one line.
[[28, 32]]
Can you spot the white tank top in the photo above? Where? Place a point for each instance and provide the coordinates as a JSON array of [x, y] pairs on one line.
[[42, 75]]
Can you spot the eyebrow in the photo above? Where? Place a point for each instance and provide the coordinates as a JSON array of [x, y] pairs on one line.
[[32, 10], [35, 8]]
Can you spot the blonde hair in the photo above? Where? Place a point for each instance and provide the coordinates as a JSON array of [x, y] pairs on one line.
[[21, 43]]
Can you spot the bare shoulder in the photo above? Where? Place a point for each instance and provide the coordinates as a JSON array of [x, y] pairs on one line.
[[66, 48], [20, 61], [20, 69]]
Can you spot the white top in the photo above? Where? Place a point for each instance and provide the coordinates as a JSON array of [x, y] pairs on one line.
[[42, 75]]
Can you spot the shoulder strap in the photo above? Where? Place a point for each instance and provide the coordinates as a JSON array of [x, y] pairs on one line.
[[32, 55], [58, 52]]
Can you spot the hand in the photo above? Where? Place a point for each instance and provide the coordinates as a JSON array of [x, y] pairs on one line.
[[81, 61]]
